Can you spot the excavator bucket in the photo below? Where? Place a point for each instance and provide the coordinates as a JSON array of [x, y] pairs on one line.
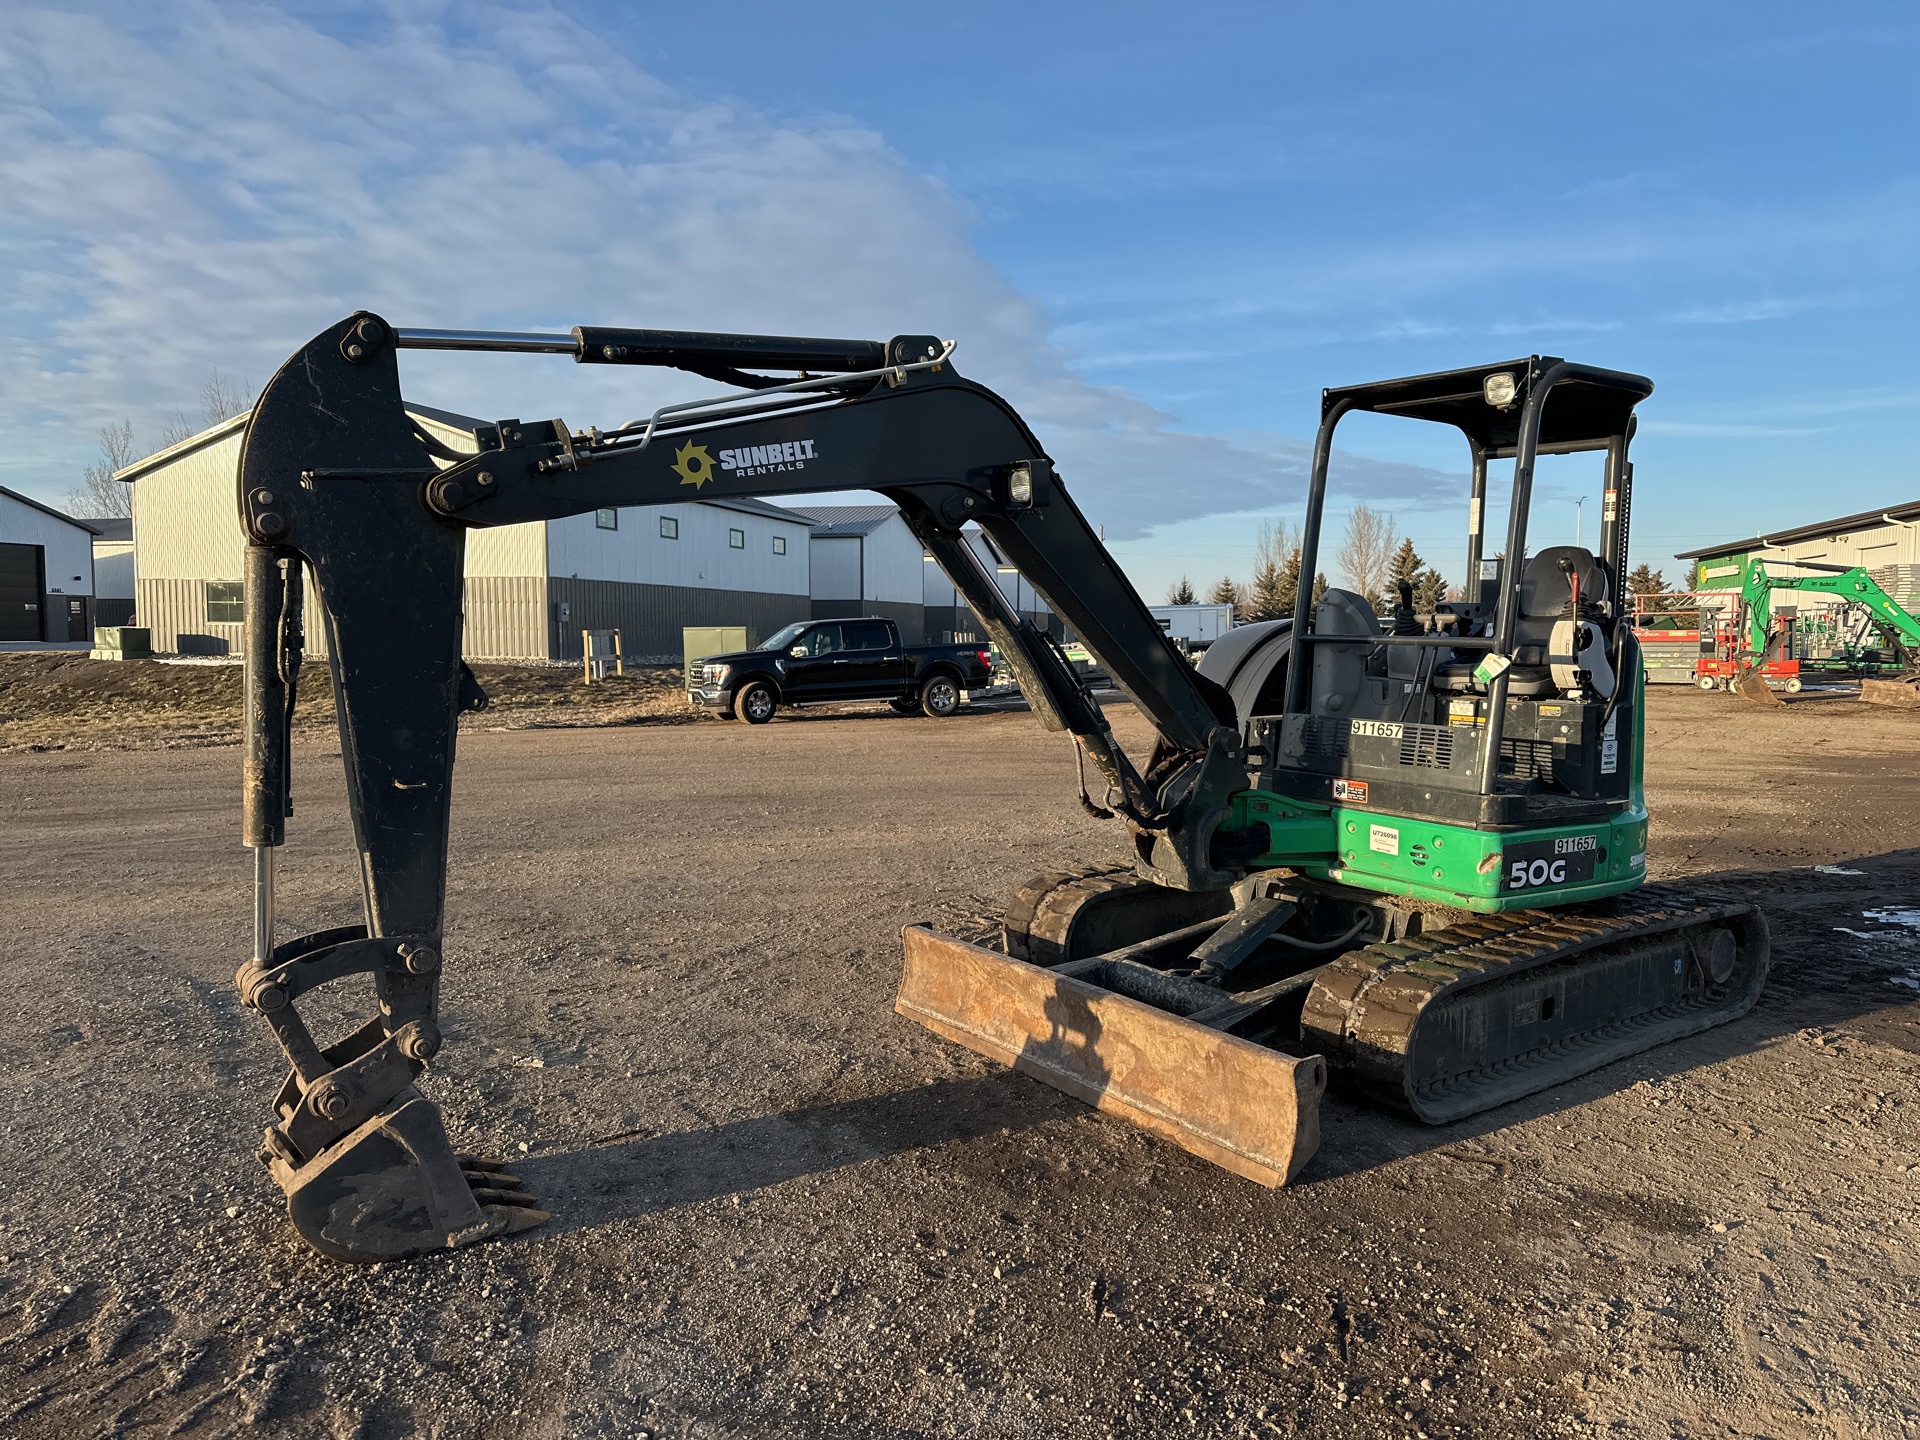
[[394, 1188], [1751, 685], [1252, 1110]]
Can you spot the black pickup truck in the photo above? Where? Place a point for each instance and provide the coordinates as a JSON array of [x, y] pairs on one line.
[[817, 660]]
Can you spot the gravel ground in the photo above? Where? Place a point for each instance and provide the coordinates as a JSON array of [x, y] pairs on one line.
[[780, 1210]]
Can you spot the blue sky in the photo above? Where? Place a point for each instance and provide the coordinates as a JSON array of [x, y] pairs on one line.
[[1158, 229]]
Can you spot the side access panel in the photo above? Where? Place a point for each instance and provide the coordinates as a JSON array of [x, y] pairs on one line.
[[1249, 1109]]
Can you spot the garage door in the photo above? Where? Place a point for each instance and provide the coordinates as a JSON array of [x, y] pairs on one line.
[[19, 592]]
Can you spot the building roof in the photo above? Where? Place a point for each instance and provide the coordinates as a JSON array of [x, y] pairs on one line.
[[90, 526], [112, 527], [1819, 529], [840, 522], [746, 504], [447, 419], [179, 451], [213, 434]]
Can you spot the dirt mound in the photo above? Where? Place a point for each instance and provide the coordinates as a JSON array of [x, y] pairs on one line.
[[62, 701]]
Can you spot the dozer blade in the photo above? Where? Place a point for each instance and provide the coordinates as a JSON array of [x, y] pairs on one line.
[[394, 1188], [1750, 684], [1252, 1110], [1904, 693]]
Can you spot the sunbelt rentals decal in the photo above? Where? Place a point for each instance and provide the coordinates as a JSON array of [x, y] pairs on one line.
[[695, 464]]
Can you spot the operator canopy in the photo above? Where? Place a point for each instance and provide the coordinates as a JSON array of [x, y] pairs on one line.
[[1587, 406]]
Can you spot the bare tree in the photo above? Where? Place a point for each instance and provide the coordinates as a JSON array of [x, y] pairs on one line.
[[1366, 555], [99, 495], [179, 427], [223, 397]]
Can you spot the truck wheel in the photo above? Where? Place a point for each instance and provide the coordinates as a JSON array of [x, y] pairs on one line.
[[940, 696], [1706, 682], [1793, 686], [756, 704]]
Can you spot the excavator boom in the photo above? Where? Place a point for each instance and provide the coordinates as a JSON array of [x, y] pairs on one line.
[[337, 482]]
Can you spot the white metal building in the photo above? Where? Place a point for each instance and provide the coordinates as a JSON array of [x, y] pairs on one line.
[[531, 589], [866, 561], [46, 576], [112, 571], [1873, 540], [950, 619]]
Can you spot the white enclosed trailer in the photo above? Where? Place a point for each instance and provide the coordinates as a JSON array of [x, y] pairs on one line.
[[1198, 625]]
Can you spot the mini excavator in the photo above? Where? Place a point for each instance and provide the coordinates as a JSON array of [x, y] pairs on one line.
[[1410, 854]]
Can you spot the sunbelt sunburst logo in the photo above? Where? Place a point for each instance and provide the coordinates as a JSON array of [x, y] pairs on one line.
[[693, 464]]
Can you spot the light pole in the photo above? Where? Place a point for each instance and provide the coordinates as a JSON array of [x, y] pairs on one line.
[[1579, 520]]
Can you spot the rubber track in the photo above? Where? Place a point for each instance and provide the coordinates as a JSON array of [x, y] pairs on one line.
[[1043, 909], [1365, 1007]]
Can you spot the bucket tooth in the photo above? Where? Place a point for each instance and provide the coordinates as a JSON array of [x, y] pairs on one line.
[[1249, 1109]]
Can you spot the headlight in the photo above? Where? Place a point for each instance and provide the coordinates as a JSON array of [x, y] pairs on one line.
[[718, 673], [1499, 390], [1020, 485]]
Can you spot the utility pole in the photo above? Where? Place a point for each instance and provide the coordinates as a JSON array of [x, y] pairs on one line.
[[1579, 519]]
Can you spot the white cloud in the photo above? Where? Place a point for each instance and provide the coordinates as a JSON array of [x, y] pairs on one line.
[[210, 190]]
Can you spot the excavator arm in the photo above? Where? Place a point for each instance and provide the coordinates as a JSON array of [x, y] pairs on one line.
[[337, 482], [1848, 582]]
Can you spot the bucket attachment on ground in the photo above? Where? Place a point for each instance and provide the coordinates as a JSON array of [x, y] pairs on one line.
[[1252, 1110], [1750, 684], [394, 1188]]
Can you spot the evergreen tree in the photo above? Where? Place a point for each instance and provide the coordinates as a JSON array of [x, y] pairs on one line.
[[1649, 587], [1266, 596], [1406, 565], [1224, 592], [1319, 586], [1288, 591], [1181, 593], [1429, 585], [1271, 595]]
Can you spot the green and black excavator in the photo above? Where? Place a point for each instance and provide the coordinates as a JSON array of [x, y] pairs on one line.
[[1412, 854], [1850, 583]]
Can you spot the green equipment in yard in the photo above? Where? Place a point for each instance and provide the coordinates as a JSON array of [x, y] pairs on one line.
[[1850, 583], [1847, 582]]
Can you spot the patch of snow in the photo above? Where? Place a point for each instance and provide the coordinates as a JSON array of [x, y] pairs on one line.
[[1835, 870], [1902, 915]]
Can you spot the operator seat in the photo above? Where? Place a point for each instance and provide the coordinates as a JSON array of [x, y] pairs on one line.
[[1545, 589], [1545, 592]]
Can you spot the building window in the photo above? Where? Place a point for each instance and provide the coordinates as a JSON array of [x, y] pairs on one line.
[[227, 602], [779, 544], [669, 528], [736, 539], [606, 519]]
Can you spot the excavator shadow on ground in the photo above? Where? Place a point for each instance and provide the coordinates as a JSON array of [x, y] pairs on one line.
[[1824, 974]]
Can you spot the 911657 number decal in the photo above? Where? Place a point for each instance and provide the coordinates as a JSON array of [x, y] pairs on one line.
[[1543, 863]]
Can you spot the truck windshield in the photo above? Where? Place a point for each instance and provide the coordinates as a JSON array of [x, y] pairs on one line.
[[780, 639]]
